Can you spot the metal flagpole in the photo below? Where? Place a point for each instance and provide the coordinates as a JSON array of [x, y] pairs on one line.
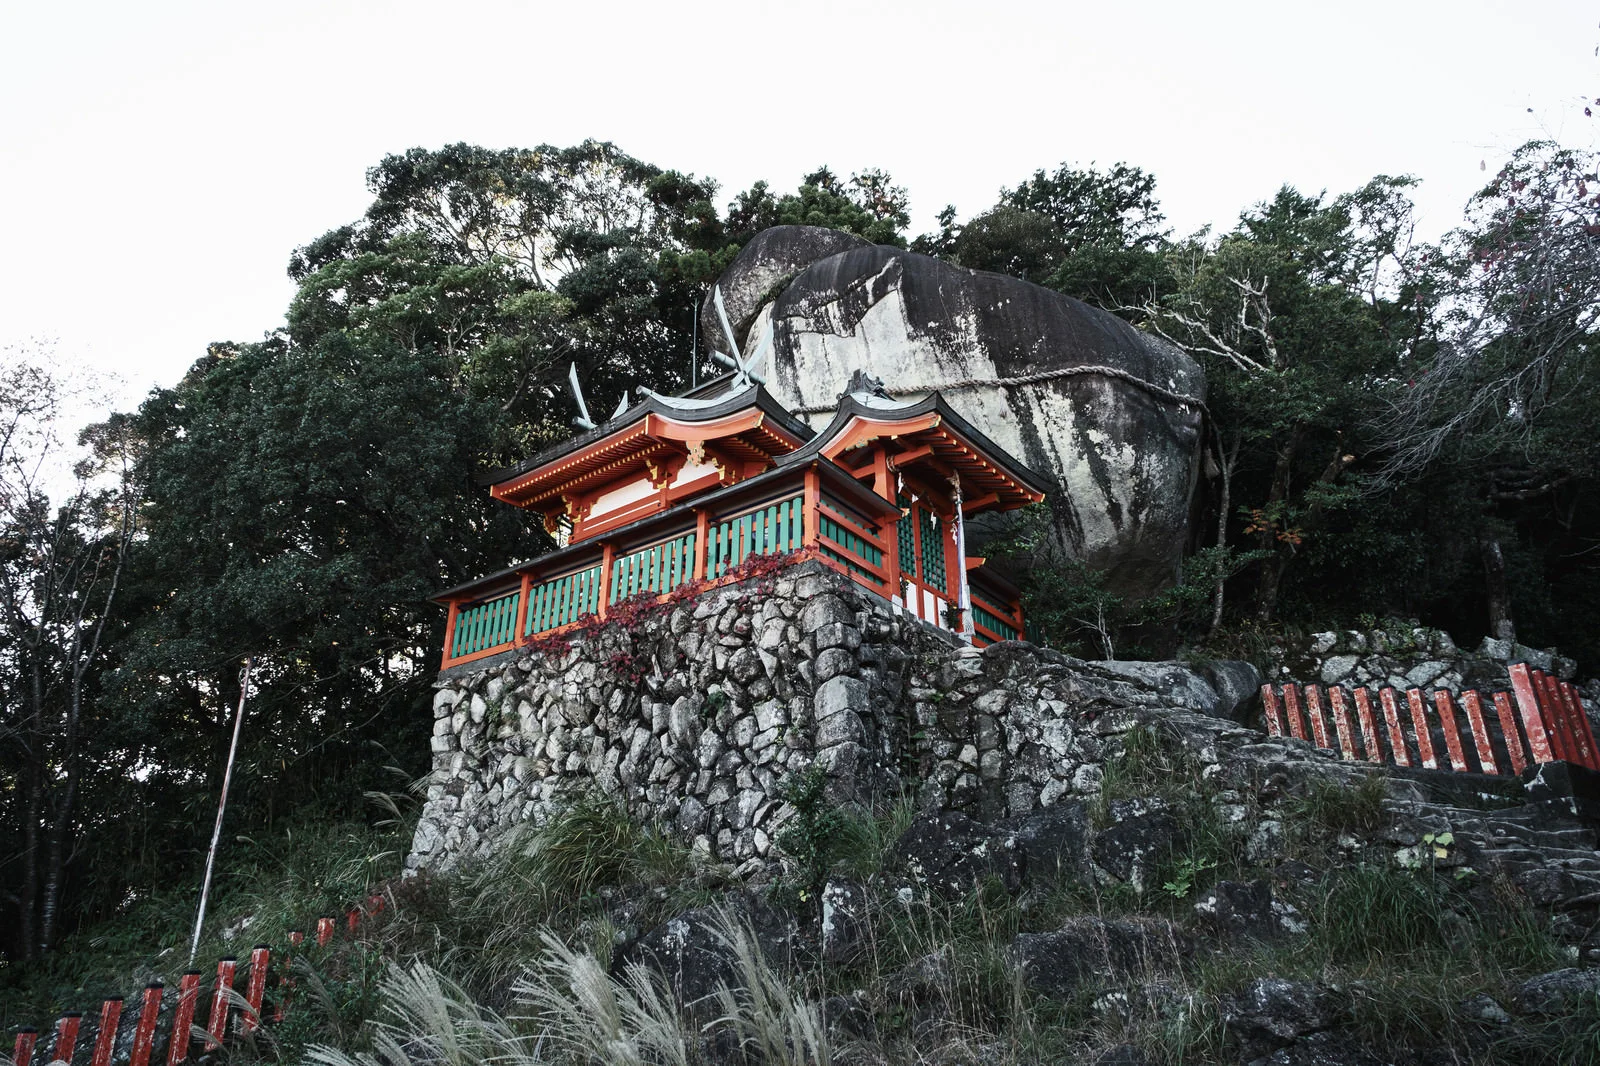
[[222, 805]]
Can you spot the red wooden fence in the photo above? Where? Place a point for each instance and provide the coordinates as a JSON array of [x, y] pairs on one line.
[[222, 1019], [1540, 720]]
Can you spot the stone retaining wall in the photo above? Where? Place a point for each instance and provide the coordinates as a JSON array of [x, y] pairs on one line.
[[696, 712]]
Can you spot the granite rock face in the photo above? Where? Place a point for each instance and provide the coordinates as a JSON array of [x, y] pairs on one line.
[[1123, 450]]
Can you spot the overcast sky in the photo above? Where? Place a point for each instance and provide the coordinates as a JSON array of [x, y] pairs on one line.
[[162, 160]]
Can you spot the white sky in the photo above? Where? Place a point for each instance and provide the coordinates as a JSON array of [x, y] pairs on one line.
[[161, 160]]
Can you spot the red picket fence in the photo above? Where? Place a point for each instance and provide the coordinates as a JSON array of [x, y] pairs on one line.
[[1540, 720], [223, 1017]]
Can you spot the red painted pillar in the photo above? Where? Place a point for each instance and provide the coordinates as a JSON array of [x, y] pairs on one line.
[[1341, 723], [1444, 703], [1508, 728], [352, 919], [183, 1017], [1480, 732], [256, 990], [1369, 725], [1391, 720], [217, 1020], [1539, 747], [1269, 704], [1319, 725], [324, 931], [22, 1051], [144, 1035], [66, 1036], [105, 1038], [1419, 725], [1291, 704]]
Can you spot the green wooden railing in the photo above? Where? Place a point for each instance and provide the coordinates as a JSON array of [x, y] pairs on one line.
[[777, 527], [993, 622], [485, 625], [561, 600], [931, 568], [658, 568], [853, 543]]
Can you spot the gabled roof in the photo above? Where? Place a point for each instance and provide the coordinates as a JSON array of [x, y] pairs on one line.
[[746, 424], [928, 431]]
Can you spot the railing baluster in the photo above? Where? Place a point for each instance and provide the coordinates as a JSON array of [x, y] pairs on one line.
[[1419, 725], [183, 1018], [1582, 733], [1369, 725], [1291, 704], [1444, 703], [22, 1050], [144, 1034], [1341, 723], [66, 1037], [105, 1037], [256, 990], [1319, 726], [1391, 719], [217, 1020], [1269, 706], [1508, 728], [1481, 741]]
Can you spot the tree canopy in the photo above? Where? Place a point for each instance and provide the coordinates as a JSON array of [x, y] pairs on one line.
[[1393, 427]]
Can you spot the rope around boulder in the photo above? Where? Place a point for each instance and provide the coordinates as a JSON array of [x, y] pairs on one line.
[[1032, 379]]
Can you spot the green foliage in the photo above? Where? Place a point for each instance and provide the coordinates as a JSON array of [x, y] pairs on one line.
[[813, 837]]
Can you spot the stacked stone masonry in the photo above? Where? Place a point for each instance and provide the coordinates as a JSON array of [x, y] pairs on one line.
[[696, 714]]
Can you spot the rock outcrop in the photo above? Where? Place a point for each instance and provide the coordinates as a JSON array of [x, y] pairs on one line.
[[1111, 413]]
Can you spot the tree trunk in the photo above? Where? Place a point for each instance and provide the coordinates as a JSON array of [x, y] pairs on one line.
[[1273, 566], [1497, 590], [1217, 593]]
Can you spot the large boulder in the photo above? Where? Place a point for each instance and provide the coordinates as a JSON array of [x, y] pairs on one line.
[[771, 259], [1111, 413]]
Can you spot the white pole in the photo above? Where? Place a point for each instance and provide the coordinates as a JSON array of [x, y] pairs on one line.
[[222, 805], [964, 590]]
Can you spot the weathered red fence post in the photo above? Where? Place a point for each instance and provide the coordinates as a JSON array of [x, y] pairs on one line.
[[105, 1038], [1554, 717], [1291, 704], [352, 919], [217, 1020], [1419, 724], [1319, 724], [1269, 705], [183, 1017], [1341, 723], [66, 1036], [1508, 728], [1444, 702], [256, 990], [144, 1037], [324, 931], [1582, 732], [1391, 718], [1533, 725], [1480, 732], [1369, 726], [22, 1051]]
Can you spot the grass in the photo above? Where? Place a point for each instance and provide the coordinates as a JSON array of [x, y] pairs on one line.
[[512, 961]]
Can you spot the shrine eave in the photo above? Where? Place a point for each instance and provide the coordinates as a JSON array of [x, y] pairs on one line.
[[929, 433], [747, 426]]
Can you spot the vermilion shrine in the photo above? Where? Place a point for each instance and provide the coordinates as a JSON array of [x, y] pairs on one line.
[[680, 489]]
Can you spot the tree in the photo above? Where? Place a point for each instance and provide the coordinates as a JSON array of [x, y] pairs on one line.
[[302, 506], [1297, 337], [513, 263], [61, 570], [1505, 396], [1093, 234]]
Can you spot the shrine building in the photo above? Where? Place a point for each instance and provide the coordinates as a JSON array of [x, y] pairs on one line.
[[683, 489]]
